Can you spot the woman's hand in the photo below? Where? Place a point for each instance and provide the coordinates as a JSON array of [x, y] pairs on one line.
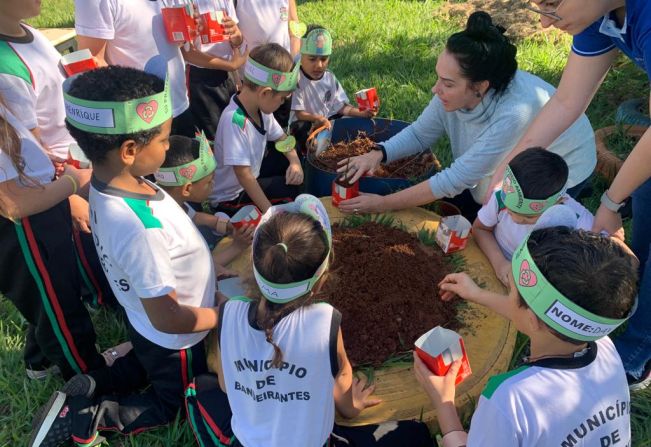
[[80, 213], [364, 203], [356, 167], [440, 389]]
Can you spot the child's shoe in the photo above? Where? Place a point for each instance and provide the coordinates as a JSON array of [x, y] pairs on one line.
[[79, 385], [42, 374], [53, 423]]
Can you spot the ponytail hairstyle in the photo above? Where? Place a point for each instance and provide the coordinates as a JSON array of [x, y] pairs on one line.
[[484, 53], [289, 247]]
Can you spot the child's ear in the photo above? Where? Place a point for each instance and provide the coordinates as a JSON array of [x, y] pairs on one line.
[[265, 92], [186, 190], [128, 151]]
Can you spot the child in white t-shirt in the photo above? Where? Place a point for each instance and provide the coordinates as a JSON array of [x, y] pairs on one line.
[[187, 176], [280, 357], [244, 129], [157, 263], [534, 181], [572, 288], [319, 96]]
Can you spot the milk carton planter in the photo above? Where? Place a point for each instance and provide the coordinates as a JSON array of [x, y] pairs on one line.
[[438, 348], [77, 158], [453, 233], [343, 190], [78, 62], [213, 28], [179, 21], [367, 99], [247, 215]]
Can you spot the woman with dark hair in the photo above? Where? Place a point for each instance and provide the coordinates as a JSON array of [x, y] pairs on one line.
[[484, 104]]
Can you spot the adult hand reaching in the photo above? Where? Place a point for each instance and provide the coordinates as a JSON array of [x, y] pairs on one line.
[[355, 167]]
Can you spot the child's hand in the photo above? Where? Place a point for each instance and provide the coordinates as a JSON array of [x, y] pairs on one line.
[[504, 273], [224, 272], [440, 389], [459, 284], [80, 213], [232, 31], [294, 174], [369, 113], [322, 121], [362, 397], [243, 236]]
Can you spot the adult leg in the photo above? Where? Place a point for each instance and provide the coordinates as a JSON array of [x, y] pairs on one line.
[[183, 124], [634, 345]]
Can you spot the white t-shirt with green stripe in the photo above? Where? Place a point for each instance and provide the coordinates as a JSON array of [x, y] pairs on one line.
[[149, 247], [581, 401]]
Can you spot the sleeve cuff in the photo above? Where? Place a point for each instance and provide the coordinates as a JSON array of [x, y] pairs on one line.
[[97, 33]]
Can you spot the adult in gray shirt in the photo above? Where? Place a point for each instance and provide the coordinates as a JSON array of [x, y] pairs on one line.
[[484, 104]]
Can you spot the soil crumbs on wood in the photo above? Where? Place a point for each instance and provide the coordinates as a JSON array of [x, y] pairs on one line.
[[409, 167], [384, 282]]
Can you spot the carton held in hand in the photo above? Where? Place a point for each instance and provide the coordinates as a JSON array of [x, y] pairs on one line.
[[438, 348], [247, 215]]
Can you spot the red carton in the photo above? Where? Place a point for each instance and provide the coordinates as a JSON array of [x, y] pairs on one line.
[[212, 30], [78, 62], [342, 190], [247, 215], [439, 347], [367, 99], [77, 158], [453, 233], [179, 24]]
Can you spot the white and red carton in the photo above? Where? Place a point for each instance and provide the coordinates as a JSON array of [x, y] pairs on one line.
[[78, 62], [213, 29], [179, 22], [247, 215], [367, 99], [343, 192], [438, 348], [77, 158], [453, 233]]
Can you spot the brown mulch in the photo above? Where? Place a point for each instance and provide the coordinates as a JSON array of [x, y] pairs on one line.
[[384, 282], [409, 167]]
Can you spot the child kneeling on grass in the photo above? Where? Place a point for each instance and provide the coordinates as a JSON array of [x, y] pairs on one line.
[[187, 176], [572, 288], [280, 357], [319, 96], [244, 129], [157, 263], [534, 181]]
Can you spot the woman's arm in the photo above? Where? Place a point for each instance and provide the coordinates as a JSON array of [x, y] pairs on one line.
[[416, 195]]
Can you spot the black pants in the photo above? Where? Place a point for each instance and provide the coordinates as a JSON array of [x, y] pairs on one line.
[[275, 188], [119, 406], [210, 93], [95, 288], [209, 415], [275, 163], [466, 203], [183, 124], [39, 274]]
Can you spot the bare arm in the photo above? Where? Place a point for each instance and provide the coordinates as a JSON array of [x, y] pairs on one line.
[[96, 46], [416, 195], [302, 115], [167, 315], [200, 59], [348, 110], [252, 187], [294, 42]]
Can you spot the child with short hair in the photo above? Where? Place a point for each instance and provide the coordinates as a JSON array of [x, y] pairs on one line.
[[298, 345], [572, 289], [534, 181], [319, 96], [159, 266], [244, 129], [187, 176]]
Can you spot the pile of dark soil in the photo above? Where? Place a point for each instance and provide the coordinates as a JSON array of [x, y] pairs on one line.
[[410, 167], [384, 282]]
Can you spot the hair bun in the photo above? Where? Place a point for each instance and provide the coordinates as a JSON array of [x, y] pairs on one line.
[[481, 23]]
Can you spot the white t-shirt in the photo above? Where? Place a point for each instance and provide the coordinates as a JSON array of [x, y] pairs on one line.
[[149, 247], [222, 50], [136, 38], [557, 402], [324, 96], [509, 234], [239, 142], [289, 406], [264, 21], [37, 164], [31, 84]]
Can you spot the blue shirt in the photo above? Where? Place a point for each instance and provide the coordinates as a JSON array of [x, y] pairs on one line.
[[633, 38]]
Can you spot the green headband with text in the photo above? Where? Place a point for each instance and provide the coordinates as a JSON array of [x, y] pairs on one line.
[[190, 172], [284, 293], [117, 117], [268, 77], [514, 198], [554, 309], [318, 42]]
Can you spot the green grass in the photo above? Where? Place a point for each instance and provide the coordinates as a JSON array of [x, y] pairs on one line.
[[390, 44]]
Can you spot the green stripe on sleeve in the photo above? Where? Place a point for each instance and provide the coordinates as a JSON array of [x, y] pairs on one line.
[[495, 381], [12, 64], [144, 212]]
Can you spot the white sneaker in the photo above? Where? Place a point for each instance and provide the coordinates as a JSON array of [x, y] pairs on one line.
[[42, 374]]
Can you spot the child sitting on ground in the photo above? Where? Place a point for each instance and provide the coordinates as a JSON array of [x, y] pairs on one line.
[[572, 289], [288, 401], [534, 181], [157, 263], [244, 129], [319, 96], [187, 176]]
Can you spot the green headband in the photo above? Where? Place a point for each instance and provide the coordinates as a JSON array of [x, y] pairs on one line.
[[189, 172], [284, 293], [267, 77], [318, 42], [115, 117], [554, 309], [515, 200]]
